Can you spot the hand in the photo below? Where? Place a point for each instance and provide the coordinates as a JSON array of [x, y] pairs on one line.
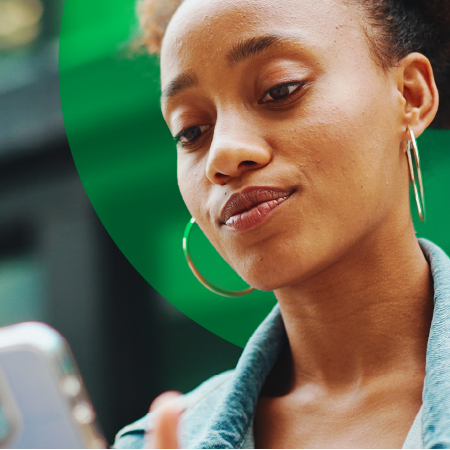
[[168, 409]]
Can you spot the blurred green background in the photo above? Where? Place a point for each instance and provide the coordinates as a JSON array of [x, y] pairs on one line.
[[58, 264]]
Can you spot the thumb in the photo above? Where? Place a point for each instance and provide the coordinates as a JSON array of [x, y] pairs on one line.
[[167, 408]]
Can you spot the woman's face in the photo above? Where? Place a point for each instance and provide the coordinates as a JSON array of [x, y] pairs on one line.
[[290, 153]]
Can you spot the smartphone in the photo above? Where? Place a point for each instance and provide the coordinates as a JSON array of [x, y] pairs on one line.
[[43, 402]]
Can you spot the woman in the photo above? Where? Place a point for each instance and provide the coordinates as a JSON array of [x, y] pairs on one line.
[[293, 123]]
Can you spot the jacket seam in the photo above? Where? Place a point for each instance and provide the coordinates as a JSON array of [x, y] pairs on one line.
[[207, 393], [246, 430]]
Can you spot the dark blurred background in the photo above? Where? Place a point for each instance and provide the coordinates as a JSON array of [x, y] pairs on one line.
[[57, 262]]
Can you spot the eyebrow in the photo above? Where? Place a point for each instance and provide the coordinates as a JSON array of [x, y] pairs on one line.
[[253, 46], [178, 84]]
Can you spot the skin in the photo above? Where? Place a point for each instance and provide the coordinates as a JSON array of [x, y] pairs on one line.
[[340, 254]]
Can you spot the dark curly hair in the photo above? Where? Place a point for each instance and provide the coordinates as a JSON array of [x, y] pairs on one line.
[[394, 29]]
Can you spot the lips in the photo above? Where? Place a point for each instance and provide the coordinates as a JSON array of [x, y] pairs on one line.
[[250, 207]]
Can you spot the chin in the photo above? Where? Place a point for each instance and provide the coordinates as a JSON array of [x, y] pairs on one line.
[[271, 274], [270, 279]]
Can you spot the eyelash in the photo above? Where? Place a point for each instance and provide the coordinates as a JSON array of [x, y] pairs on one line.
[[286, 99], [281, 101], [179, 136]]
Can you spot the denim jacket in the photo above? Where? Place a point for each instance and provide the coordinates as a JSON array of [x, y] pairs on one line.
[[219, 413]]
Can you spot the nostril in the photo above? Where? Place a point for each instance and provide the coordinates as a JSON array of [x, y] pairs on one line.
[[221, 177]]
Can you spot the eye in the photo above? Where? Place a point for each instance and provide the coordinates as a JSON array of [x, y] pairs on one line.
[[191, 134], [281, 92]]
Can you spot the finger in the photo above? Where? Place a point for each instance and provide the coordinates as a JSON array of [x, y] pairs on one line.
[[168, 408], [164, 398], [166, 423]]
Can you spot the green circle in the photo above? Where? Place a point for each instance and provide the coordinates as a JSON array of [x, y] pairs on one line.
[[126, 160]]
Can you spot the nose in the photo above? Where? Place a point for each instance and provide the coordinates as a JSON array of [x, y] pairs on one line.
[[236, 148]]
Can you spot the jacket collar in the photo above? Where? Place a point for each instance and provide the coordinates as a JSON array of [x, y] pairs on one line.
[[232, 419], [436, 392]]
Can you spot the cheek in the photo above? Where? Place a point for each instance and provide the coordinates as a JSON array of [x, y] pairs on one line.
[[190, 178], [194, 188], [347, 151], [350, 132]]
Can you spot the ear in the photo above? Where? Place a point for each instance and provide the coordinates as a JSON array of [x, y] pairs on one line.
[[418, 87]]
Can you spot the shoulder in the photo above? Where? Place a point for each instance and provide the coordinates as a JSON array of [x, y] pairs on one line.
[[199, 404]]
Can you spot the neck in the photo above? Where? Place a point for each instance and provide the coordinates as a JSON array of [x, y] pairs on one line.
[[367, 315]]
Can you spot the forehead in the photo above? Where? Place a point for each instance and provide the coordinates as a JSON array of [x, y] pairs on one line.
[[202, 32]]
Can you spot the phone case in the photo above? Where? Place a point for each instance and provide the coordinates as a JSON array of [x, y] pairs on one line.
[[43, 403]]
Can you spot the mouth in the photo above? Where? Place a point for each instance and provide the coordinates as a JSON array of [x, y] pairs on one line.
[[249, 208]]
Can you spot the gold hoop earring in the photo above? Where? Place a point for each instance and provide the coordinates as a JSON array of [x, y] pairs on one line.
[[206, 283], [420, 200]]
